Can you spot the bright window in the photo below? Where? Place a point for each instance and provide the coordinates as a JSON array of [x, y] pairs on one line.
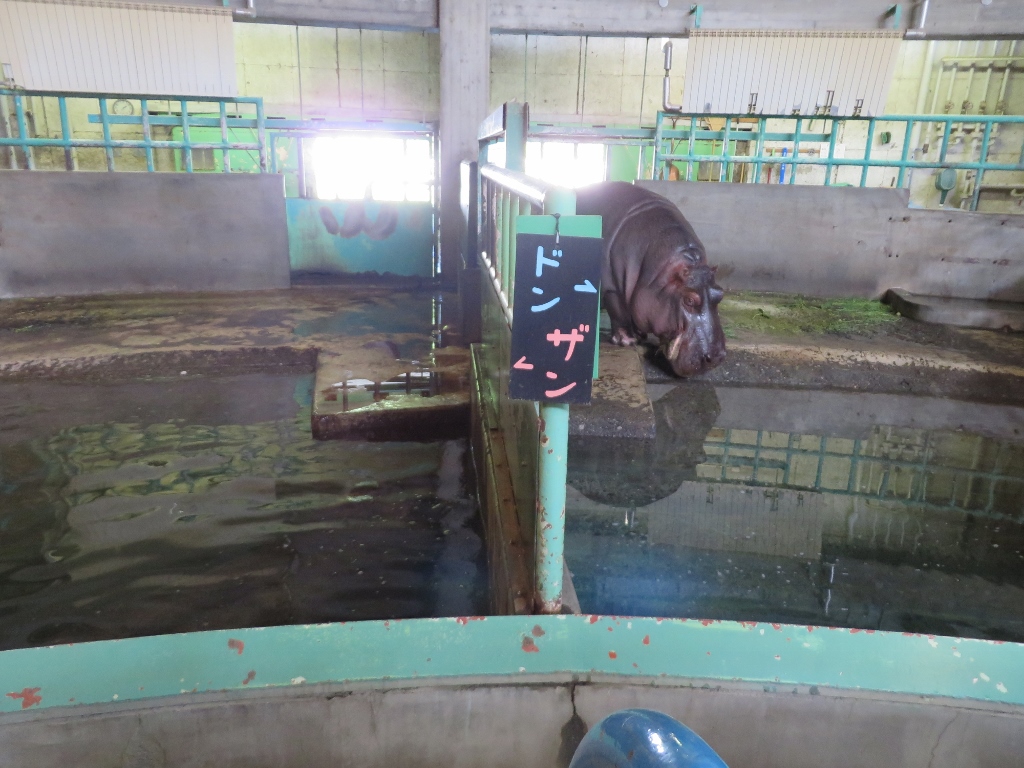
[[354, 167], [563, 163]]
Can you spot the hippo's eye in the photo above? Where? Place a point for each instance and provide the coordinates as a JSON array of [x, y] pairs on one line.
[[691, 301]]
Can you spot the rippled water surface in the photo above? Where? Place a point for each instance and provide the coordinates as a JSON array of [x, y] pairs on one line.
[[203, 503]]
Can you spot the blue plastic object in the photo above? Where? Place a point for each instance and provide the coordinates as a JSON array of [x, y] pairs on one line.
[[643, 738]]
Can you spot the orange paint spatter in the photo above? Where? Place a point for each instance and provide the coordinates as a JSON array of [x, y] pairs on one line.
[[29, 697]]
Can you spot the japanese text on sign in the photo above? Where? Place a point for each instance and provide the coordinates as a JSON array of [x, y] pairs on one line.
[[554, 323]]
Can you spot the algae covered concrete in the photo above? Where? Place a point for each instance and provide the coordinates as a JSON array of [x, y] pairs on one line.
[[800, 342], [362, 333]]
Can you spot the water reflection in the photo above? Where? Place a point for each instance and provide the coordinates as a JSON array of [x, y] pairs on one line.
[[168, 507], [851, 524]]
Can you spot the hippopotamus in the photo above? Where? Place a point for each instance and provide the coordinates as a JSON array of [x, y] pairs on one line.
[[655, 276]]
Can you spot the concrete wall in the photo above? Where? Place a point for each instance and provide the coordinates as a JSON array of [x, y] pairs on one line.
[[945, 18], [528, 726], [846, 241], [79, 233]]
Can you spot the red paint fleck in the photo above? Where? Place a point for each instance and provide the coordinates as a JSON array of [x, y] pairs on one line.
[[612, 655], [647, 639], [464, 620], [250, 677], [529, 646], [387, 625], [854, 631], [810, 628], [869, 631], [776, 627], [748, 624], [611, 629], [707, 622], [537, 631], [28, 696], [593, 619], [236, 645], [635, 665], [709, 653]]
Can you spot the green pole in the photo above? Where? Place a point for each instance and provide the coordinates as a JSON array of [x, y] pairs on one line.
[[553, 452]]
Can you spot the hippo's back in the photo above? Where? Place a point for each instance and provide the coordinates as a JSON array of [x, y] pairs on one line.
[[620, 203]]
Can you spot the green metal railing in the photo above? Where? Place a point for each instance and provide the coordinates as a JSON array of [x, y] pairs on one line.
[[536, 434], [226, 114], [776, 142]]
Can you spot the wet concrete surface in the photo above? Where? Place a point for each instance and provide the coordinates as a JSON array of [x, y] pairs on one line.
[[355, 336], [827, 508], [778, 340], [200, 503]]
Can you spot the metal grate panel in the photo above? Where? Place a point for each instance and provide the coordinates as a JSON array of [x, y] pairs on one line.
[[84, 45], [789, 71]]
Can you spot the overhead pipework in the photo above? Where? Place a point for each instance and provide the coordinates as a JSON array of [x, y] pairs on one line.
[[666, 102], [920, 18]]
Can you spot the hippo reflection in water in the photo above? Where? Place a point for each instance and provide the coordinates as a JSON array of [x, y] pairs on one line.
[[655, 276]]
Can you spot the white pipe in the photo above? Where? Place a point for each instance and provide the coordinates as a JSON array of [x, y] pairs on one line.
[[983, 107], [922, 91], [665, 103], [926, 77], [1001, 104], [922, 16]]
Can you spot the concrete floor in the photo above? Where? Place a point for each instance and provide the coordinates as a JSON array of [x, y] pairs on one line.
[[798, 344]]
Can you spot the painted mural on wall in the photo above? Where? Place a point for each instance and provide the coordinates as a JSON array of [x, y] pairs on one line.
[[361, 236]]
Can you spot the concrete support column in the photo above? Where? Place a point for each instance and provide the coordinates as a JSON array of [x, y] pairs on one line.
[[465, 93]]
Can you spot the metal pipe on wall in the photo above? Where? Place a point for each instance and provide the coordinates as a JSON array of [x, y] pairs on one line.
[[920, 17], [665, 101]]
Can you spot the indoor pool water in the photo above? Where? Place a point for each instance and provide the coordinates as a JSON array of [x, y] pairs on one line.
[[203, 503], [825, 508]]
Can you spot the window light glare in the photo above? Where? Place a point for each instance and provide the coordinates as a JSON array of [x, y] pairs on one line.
[[565, 163], [353, 167]]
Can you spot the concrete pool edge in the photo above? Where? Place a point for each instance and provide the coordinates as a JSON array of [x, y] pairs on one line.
[[506, 649]]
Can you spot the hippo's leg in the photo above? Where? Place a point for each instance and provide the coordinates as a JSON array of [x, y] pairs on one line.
[[623, 332]]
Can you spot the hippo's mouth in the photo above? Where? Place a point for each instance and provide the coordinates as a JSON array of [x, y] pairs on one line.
[[672, 350]]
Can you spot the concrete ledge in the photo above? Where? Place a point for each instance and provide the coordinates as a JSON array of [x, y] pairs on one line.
[[68, 234], [968, 313], [620, 405], [428, 403]]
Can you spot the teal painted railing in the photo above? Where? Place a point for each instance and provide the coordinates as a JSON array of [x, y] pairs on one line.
[[235, 129], [509, 649], [506, 195], [23, 139], [536, 434], [774, 142]]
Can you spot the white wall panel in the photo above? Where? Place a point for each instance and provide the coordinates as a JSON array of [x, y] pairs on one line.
[[84, 45], [788, 70]]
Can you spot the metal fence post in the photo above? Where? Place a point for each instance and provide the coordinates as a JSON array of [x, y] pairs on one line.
[[551, 469]]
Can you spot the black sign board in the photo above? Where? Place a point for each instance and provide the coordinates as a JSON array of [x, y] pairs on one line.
[[554, 317]]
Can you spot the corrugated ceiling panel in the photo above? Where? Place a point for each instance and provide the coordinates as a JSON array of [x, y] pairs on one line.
[[789, 70], [84, 45]]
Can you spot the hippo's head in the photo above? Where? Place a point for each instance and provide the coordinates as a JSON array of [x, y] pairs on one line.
[[683, 314]]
